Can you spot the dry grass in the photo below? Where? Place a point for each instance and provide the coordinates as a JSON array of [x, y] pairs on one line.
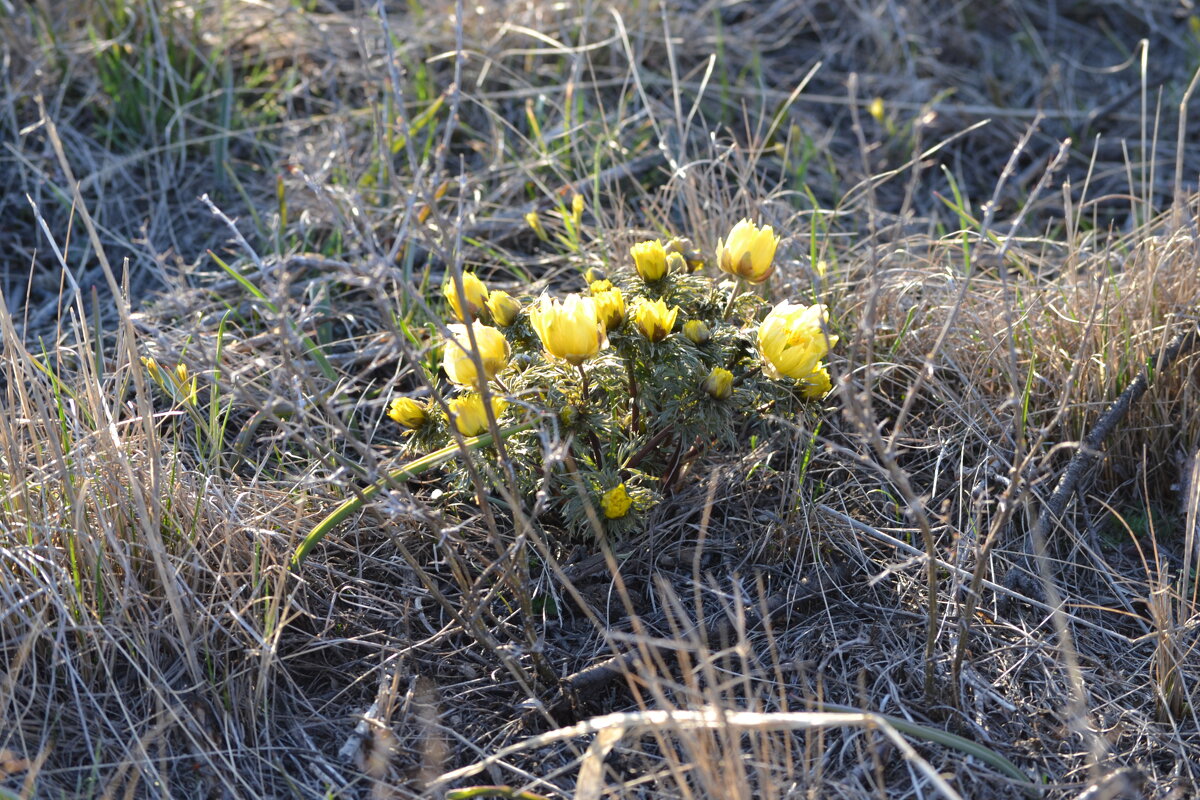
[[154, 641]]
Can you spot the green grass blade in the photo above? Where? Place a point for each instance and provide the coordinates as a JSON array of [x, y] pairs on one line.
[[408, 471], [946, 739]]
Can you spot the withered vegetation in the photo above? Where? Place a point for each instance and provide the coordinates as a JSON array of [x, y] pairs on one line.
[[997, 201]]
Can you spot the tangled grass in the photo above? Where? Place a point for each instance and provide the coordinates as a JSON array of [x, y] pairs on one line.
[[1006, 239]]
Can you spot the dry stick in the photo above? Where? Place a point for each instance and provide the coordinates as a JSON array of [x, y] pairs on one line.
[[598, 676], [1083, 460], [1089, 451]]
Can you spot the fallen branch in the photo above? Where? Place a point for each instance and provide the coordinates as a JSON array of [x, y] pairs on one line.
[[1089, 450]]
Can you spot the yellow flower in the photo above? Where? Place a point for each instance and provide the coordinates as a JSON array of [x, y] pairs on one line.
[[535, 222], [792, 340], [577, 210], [677, 263], [610, 307], [876, 109], [475, 292], [679, 244], [616, 502], [187, 388], [817, 384], [457, 361], [572, 329], [469, 414], [696, 331], [650, 259], [748, 252], [152, 368], [503, 307], [600, 285], [654, 320], [407, 412], [718, 384], [593, 274]]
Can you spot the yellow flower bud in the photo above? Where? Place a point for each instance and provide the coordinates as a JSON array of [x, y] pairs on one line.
[[503, 307], [654, 319], [535, 222], [577, 209], [696, 331], [679, 245], [470, 415], [718, 383], [568, 415], [748, 252], [616, 502], [677, 264], [650, 259], [466, 308], [570, 329], [817, 384], [152, 369], [792, 340], [407, 412], [602, 285], [187, 388], [610, 307], [456, 358], [876, 109], [593, 274]]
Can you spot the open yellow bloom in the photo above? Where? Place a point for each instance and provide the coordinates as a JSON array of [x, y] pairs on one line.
[[650, 259], [407, 412], [616, 502], [457, 361], [571, 329], [654, 319], [470, 415], [503, 307], [466, 308], [792, 340], [718, 384], [748, 251], [610, 306], [816, 384]]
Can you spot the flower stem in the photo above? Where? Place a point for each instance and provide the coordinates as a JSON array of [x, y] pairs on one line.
[[584, 378], [407, 472], [633, 400], [738, 288]]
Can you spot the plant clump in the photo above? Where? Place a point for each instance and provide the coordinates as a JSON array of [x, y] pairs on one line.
[[643, 371]]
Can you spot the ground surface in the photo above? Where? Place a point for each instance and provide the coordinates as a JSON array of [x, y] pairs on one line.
[[999, 206]]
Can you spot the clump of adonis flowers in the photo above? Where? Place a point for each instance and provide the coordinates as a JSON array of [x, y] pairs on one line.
[[642, 373]]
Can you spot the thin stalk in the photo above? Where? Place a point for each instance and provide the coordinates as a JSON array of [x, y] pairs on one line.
[[738, 288], [584, 383], [407, 472]]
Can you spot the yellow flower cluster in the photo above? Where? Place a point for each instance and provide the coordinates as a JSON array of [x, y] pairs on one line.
[[644, 375]]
